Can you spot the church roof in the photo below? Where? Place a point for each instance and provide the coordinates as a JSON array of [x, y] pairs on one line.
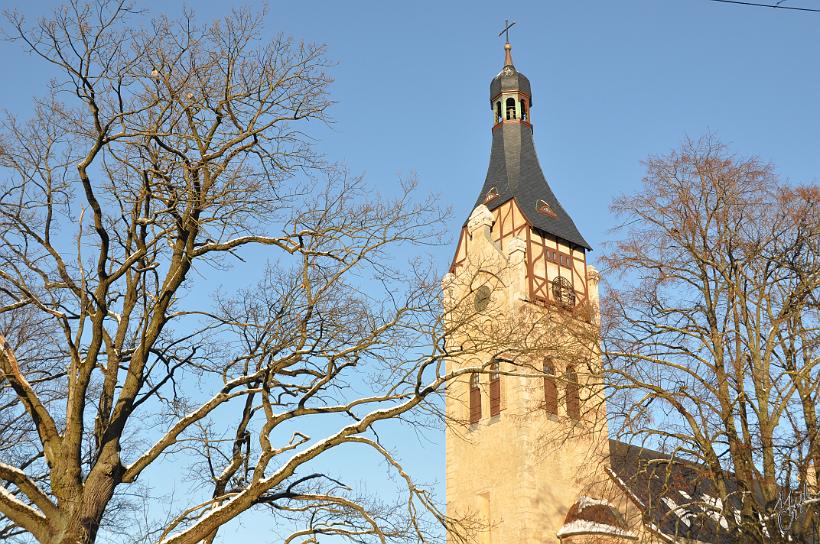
[[514, 172], [589, 516], [510, 79], [678, 497]]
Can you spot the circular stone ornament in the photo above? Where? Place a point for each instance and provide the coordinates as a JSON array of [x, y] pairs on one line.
[[482, 298]]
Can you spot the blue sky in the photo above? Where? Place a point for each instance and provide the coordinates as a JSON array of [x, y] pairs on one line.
[[613, 82]]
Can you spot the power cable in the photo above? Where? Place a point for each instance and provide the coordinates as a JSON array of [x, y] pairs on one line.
[[773, 6]]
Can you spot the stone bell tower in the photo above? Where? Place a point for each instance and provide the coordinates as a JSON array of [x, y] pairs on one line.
[[527, 428]]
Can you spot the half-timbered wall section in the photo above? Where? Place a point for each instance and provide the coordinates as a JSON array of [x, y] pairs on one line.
[[461, 251], [548, 257]]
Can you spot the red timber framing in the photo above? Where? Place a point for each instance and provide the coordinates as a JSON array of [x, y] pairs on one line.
[[461, 251], [547, 256]]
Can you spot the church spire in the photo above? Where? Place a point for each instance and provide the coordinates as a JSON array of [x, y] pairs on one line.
[[510, 89], [514, 171]]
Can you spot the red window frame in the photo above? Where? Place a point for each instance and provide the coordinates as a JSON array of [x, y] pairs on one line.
[[475, 399], [550, 388], [573, 393], [495, 390]]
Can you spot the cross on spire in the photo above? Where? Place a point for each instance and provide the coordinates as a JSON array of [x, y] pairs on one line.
[[507, 26]]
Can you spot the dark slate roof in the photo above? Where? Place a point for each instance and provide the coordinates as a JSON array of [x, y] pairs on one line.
[[514, 172], [651, 476], [510, 79]]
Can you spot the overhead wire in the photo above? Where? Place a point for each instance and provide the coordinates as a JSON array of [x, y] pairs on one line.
[[778, 5]]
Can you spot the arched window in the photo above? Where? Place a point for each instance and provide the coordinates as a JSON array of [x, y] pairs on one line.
[[550, 388], [511, 108], [562, 292], [498, 112], [495, 390], [475, 399], [523, 110], [573, 395]]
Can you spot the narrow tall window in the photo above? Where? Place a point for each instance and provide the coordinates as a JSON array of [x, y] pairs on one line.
[[573, 395], [495, 390], [498, 111], [484, 518], [475, 399], [523, 110], [550, 388], [511, 108]]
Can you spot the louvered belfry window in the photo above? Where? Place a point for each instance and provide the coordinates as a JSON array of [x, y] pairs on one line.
[[573, 394], [562, 292], [475, 399], [495, 390], [511, 108], [550, 388]]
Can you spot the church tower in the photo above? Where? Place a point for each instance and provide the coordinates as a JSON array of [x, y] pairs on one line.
[[528, 430]]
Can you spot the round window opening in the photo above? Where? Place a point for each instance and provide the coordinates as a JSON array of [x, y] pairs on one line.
[[482, 298], [562, 292]]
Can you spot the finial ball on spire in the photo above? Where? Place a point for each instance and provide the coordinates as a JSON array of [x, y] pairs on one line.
[[508, 55]]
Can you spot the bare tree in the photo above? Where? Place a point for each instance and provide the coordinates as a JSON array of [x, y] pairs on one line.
[[711, 339], [166, 154]]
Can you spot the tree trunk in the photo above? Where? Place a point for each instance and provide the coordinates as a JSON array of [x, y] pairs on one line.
[[81, 518]]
